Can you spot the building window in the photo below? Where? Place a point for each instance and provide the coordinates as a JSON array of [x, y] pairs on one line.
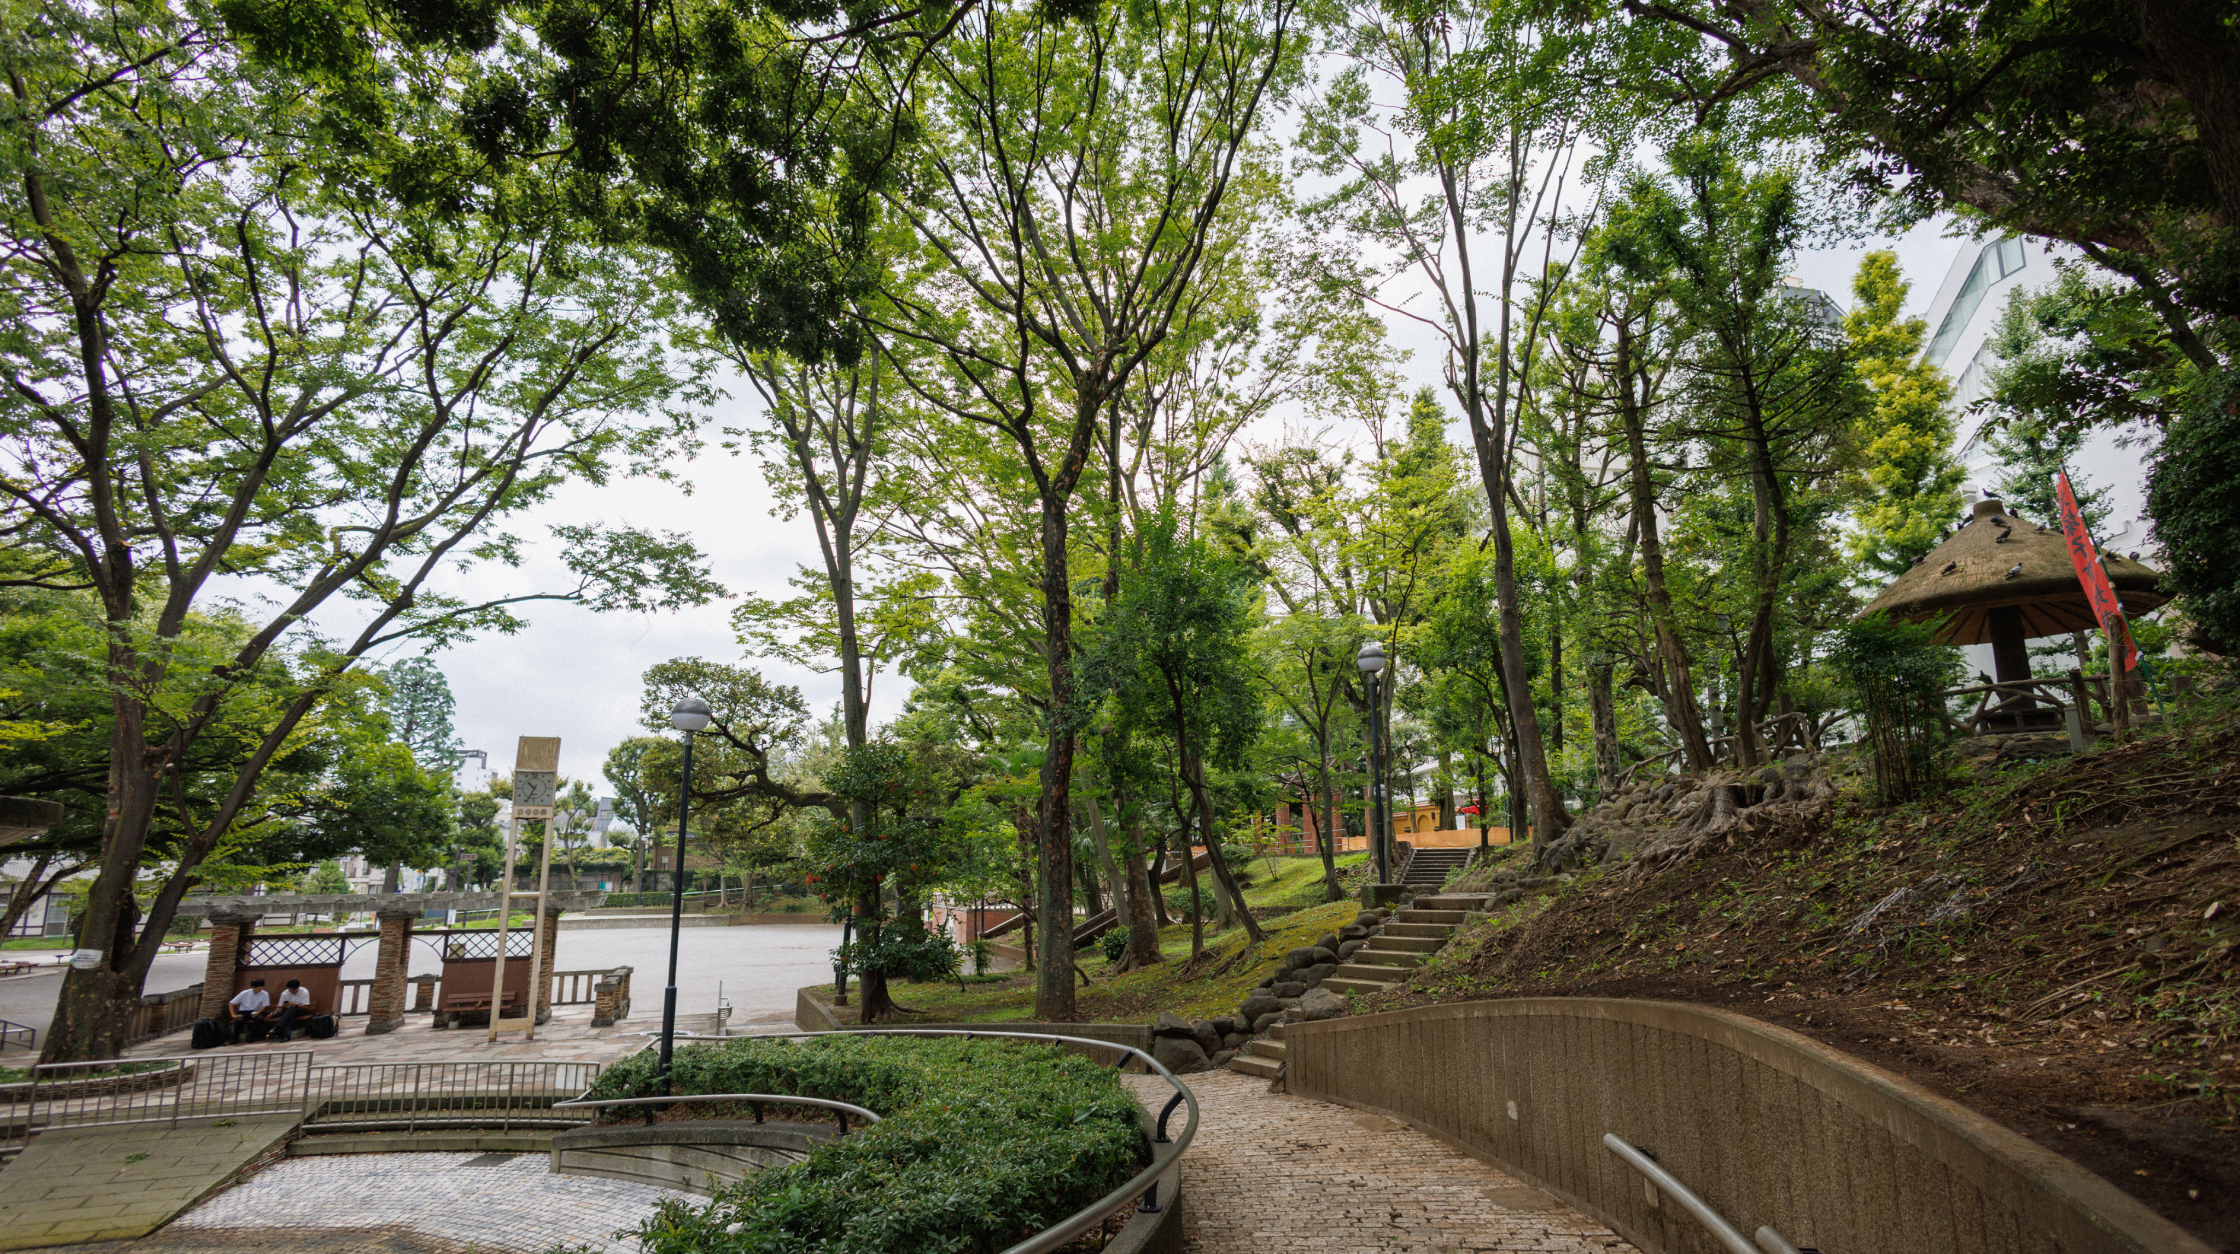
[[1997, 260]]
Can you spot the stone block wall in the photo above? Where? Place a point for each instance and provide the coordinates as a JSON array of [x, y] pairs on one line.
[[229, 936], [1768, 1126], [385, 1001], [549, 938], [610, 1002]]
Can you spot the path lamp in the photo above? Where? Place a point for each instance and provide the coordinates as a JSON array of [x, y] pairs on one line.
[[1372, 663], [688, 715]]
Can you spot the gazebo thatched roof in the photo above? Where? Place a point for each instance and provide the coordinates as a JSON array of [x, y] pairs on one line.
[[1996, 560]]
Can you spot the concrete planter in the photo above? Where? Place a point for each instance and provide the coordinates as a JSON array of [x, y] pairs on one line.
[[99, 1086]]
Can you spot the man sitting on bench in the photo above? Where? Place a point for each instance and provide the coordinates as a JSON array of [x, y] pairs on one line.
[[247, 1007], [294, 1003]]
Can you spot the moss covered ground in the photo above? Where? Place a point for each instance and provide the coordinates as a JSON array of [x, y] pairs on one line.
[[1214, 986]]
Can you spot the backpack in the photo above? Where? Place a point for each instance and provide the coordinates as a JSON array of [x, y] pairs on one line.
[[319, 1027], [208, 1034]]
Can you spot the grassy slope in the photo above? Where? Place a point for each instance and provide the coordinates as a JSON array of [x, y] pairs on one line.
[[1214, 988], [2055, 947]]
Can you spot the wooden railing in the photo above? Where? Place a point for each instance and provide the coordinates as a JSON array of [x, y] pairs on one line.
[[574, 988], [354, 998], [160, 1014]]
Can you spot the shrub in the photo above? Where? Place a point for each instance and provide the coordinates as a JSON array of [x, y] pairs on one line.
[[1897, 673], [980, 1144], [1114, 943]]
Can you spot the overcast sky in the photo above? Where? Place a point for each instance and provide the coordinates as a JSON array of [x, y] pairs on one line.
[[575, 674]]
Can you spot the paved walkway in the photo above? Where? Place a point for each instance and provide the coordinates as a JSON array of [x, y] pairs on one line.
[[1275, 1172], [111, 1183], [411, 1204]]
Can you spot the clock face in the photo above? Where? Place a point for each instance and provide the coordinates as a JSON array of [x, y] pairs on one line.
[[537, 789]]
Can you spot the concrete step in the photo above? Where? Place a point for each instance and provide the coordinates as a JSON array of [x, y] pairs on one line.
[[1276, 1030], [1252, 1064], [1265, 1049], [1430, 931], [1414, 915], [1454, 901], [1350, 984], [1411, 944], [1371, 971], [1387, 958]]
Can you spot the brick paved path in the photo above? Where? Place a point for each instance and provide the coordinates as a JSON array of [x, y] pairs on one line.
[[1275, 1172], [423, 1203]]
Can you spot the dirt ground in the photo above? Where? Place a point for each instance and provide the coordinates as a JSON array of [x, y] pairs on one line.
[[2051, 945]]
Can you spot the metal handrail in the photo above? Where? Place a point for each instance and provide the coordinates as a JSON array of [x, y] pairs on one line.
[[753, 1100], [1769, 1241], [1144, 1184]]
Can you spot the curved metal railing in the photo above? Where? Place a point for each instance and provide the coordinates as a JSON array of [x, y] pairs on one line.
[[1769, 1241], [753, 1100], [1144, 1184]]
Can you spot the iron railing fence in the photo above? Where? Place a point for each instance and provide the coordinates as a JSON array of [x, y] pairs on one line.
[[414, 1095], [406, 1095]]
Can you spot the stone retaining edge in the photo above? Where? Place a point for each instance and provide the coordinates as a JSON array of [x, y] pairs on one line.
[[1929, 1158]]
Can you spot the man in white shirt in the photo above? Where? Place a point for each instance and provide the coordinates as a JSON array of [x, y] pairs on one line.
[[247, 1007], [295, 1002]]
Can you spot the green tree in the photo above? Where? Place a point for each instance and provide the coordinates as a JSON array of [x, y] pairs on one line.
[[1451, 193], [417, 699], [1175, 663], [2113, 126], [478, 834], [1912, 493], [1083, 162], [388, 808], [903, 850], [1771, 398], [173, 418], [626, 769], [327, 877]]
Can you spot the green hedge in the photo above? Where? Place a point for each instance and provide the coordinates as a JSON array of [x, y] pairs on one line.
[[980, 1144]]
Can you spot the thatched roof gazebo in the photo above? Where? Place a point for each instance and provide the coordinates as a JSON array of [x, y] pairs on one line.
[[2005, 581]]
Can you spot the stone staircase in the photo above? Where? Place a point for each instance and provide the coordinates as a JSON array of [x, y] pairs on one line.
[[1263, 1055], [1410, 939], [1428, 868]]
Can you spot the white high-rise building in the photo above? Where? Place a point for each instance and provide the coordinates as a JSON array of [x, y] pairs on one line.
[[1964, 313]]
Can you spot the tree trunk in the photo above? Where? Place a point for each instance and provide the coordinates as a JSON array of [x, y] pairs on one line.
[[1152, 881], [1143, 933], [1054, 1000], [1602, 704], [1220, 865], [1326, 835], [1446, 791], [1682, 711], [1197, 902], [1111, 866]]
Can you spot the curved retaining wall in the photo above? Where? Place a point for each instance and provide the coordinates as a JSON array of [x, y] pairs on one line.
[[696, 1155], [1768, 1126]]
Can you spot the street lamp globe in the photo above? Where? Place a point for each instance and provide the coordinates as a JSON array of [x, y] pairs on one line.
[[690, 714], [1371, 660]]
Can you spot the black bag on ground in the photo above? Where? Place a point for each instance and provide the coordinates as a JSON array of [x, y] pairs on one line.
[[208, 1034], [319, 1027]]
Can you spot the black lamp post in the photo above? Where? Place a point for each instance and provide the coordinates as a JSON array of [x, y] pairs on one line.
[[1372, 663], [688, 715]]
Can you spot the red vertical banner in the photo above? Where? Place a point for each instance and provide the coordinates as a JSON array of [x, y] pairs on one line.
[[2105, 607]]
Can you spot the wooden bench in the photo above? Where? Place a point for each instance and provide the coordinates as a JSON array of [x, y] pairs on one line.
[[13, 967], [454, 1005]]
